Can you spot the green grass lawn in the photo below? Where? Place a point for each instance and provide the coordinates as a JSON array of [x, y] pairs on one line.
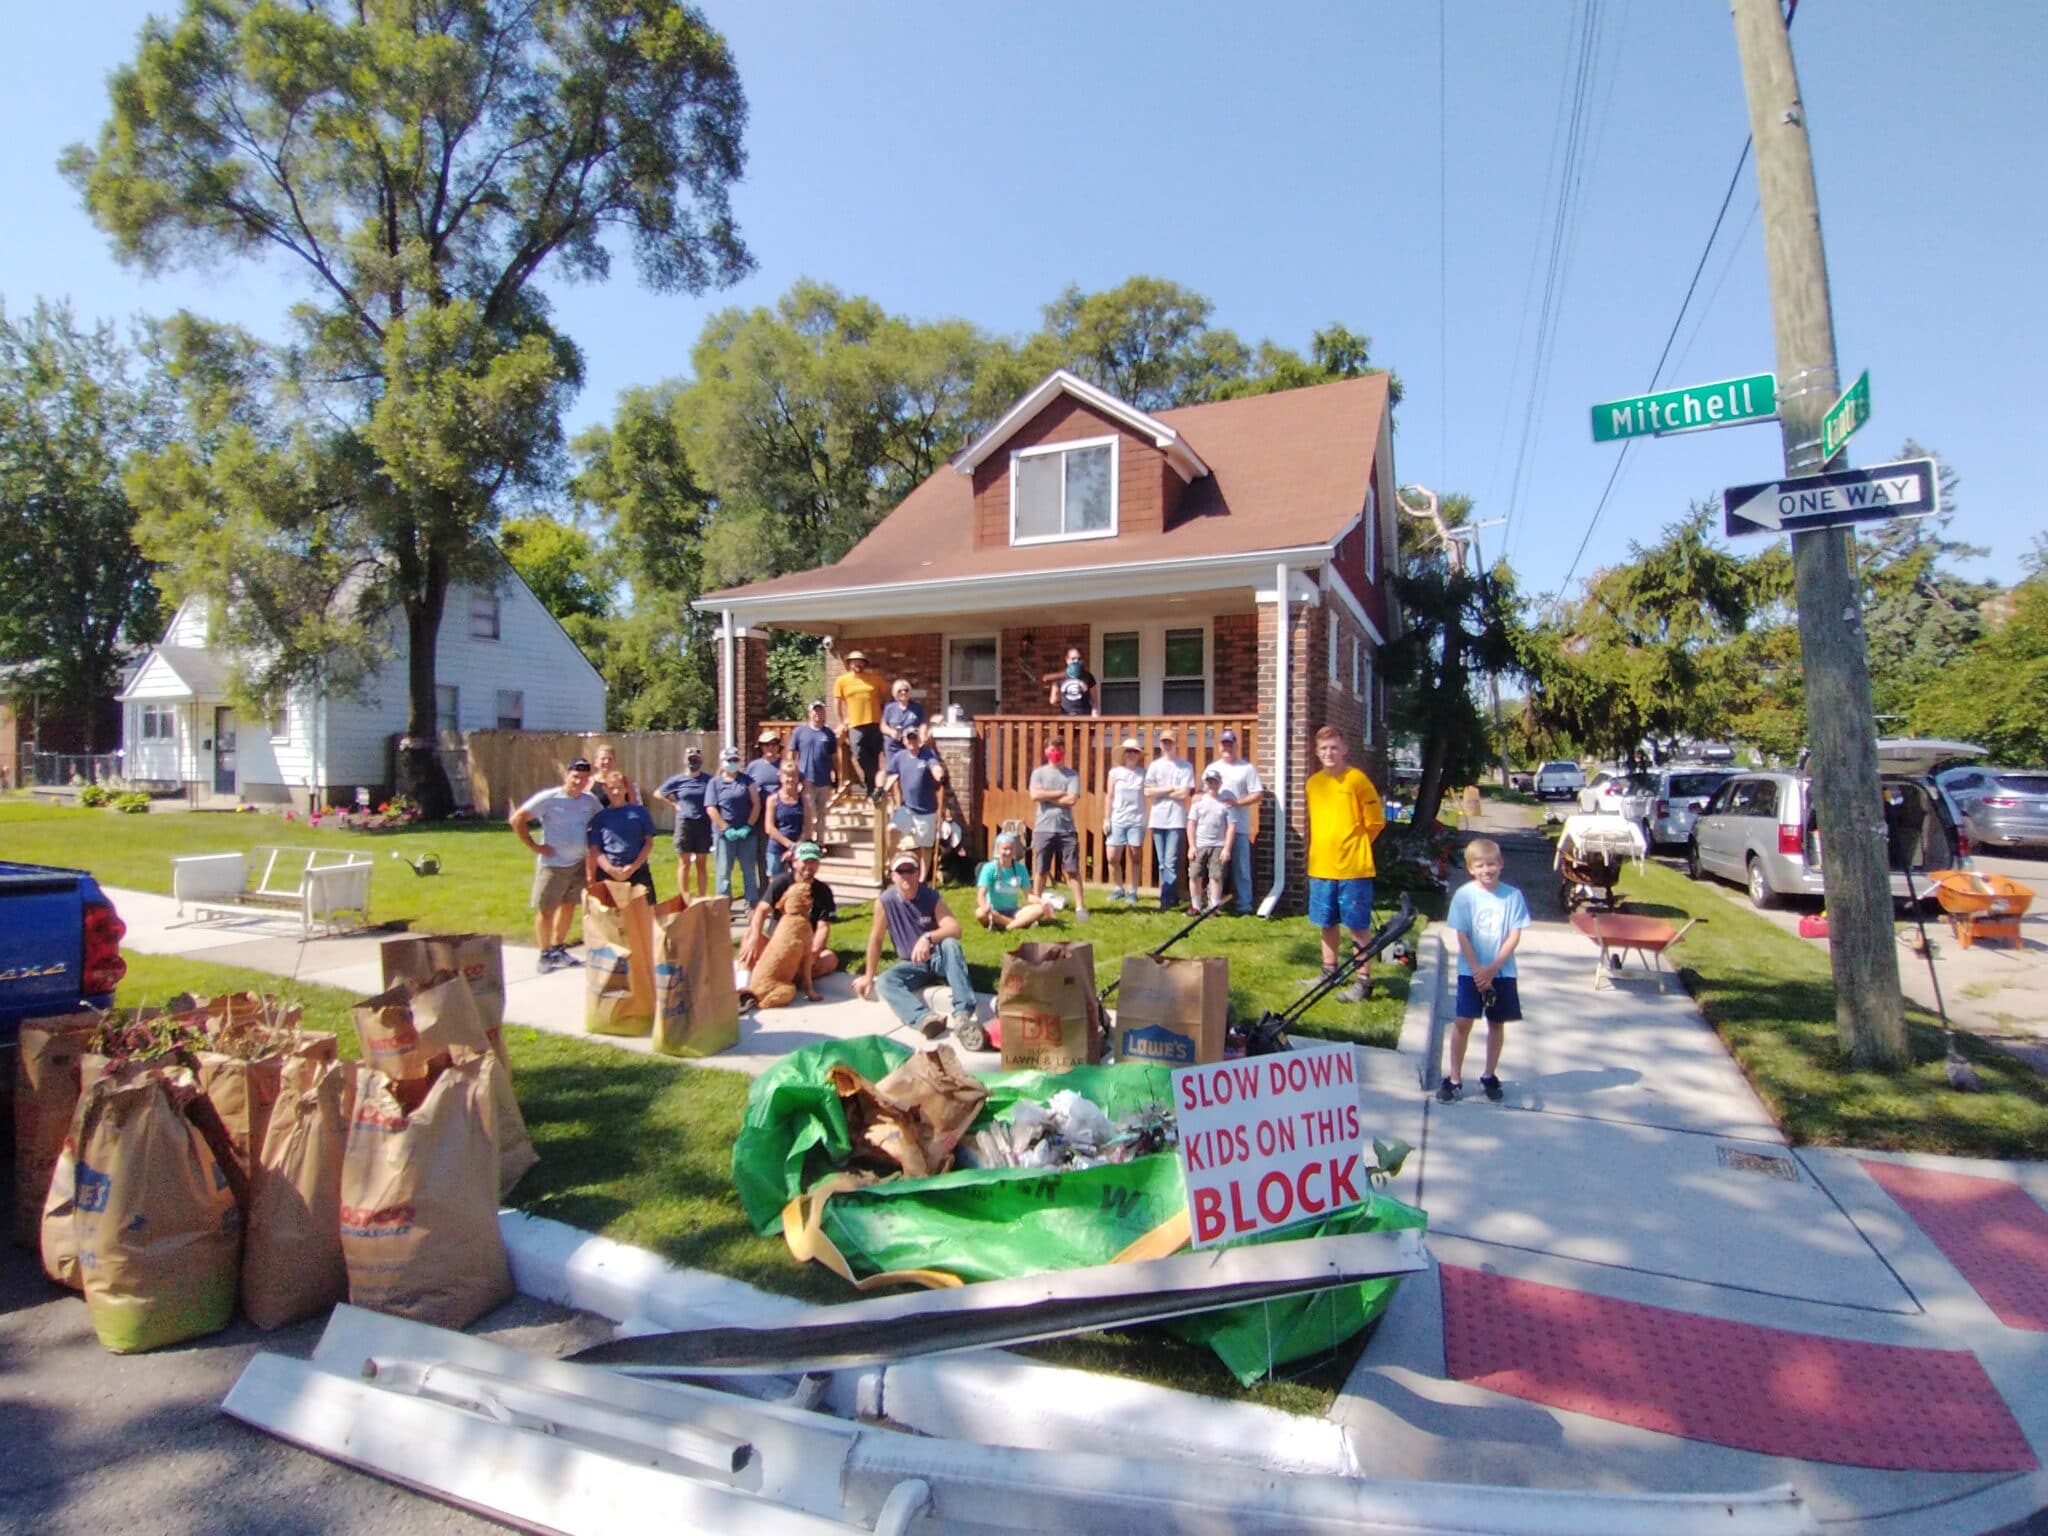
[[1771, 997], [640, 1149]]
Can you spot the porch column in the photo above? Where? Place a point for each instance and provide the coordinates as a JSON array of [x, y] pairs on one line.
[[743, 673], [959, 748], [1305, 638]]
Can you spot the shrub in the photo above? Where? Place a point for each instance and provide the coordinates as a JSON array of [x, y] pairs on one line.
[[134, 803], [93, 796]]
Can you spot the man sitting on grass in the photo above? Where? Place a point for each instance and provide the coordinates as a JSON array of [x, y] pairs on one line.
[[927, 941]]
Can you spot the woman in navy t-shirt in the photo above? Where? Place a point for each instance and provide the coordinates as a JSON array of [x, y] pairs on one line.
[[785, 821]]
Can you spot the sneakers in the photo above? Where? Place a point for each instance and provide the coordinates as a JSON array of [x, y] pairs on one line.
[[1448, 1092], [961, 1019], [931, 1026], [1080, 914], [1359, 990], [550, 960], [564, 958], [1494, 1093]]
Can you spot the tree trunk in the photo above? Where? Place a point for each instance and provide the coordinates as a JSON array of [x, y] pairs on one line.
[[420, 773]]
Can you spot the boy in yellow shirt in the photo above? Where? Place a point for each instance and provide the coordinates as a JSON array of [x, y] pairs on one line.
[[1344, 816]]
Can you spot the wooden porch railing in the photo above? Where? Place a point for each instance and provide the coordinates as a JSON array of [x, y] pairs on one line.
[[1013, 745]]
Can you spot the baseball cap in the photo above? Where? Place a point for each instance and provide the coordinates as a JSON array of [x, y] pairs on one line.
[[1131, 744], [579, 765], [1212, 777], [817, 703], [907, 859], [729, 755], [808, 850], [1228, 735]]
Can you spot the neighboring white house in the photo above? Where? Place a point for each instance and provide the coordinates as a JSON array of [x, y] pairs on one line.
[[502, 662]]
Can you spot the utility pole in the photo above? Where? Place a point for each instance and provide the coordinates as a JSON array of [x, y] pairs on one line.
[[1869, 1012]]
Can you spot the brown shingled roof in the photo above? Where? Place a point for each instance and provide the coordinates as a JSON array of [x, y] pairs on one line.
[[1288, 470]]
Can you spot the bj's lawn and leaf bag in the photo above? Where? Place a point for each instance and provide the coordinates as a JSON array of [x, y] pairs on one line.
[[998, 1222], [292, 1265], [479, 958]]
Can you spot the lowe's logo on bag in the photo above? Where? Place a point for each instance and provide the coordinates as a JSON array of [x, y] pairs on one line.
[[91, 1191], [1155, 1042]]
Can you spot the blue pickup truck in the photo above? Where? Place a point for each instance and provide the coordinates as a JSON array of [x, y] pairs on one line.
[[60, 949]]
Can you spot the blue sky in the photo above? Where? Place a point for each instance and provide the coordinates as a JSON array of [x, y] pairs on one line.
[[972, 159]]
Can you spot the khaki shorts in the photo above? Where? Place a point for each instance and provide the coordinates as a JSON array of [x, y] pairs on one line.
[[556, 885]]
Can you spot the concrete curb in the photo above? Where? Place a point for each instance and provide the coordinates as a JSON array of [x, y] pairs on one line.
[[1422, 1021], [994, 1397]]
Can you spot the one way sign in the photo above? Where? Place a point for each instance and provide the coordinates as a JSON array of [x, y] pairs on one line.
[[1874, 495]]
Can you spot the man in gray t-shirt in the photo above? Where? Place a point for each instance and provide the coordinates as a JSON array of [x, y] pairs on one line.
[[1055, 790], [563, 816]]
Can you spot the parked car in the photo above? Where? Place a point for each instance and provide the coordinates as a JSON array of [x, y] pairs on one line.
[[1677, 796], [2004, 807], [1758, 828], [1559, 780], [1611, 792], [60, 950]]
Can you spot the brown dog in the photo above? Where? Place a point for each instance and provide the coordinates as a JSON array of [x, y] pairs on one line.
[[785, 964]]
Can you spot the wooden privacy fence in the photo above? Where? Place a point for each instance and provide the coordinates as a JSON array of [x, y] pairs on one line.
[[1013, 745], [505, 767]]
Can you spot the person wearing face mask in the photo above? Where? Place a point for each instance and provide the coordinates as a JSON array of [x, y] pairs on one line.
[[563, 815], [1075, 691], [734, 806]]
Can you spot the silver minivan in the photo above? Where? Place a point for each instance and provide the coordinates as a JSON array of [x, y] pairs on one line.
[[1758, 828], [1677, 796]]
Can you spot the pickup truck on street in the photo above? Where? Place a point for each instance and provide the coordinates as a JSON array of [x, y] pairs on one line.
[[60, 950]]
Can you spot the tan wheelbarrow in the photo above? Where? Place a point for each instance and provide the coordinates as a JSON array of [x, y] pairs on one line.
[[1618, 934]]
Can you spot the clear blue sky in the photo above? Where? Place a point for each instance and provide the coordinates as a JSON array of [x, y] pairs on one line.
[[971, 159]]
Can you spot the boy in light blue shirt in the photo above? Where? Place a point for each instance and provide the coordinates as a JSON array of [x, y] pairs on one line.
[[1488, 917]]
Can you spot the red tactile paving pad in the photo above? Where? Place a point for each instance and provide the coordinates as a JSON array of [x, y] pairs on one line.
[[1757, 1389], [1993, 1232]]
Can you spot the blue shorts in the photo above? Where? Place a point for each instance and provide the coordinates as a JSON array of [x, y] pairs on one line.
[[1507, 1002], [1124, 837], [1349, 902]]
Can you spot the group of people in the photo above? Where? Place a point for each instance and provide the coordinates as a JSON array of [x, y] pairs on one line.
[[762, 819]]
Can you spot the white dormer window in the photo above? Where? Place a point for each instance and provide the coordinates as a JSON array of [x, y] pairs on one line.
[[483, 615], [1064, 491]]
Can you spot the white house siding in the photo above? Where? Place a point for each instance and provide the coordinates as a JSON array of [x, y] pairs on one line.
[[274, 770], [188, 625], [171, 762], [532, 656]]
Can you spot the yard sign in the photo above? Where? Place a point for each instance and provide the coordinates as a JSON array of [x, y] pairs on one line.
[[1269, 1141]]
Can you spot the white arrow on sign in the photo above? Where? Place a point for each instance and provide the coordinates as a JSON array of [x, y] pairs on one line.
[[1906, 489]]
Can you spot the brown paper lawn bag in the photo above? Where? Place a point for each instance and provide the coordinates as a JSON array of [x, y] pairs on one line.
[[696, 1005], [478, 957], [1045, 999], [45, 1097], [912, 1119], [159, 1237], [419, 1199], [618, 959], [1172, 1011], [292, 1266]]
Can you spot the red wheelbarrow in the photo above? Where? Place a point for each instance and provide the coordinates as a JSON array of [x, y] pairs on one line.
[[1617, 934]]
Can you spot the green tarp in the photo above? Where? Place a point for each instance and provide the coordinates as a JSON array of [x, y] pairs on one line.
[[991, 1223]]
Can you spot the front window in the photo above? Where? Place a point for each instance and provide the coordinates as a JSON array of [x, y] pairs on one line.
[[446, 700], [1121, 688], [971, 680], [1063, 492], [156, 722], [1184, 687], [483, 615], [281, 723], [511, 709]]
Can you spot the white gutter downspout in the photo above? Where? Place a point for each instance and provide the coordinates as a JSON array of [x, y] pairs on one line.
[[729, 727], [1282, 690]]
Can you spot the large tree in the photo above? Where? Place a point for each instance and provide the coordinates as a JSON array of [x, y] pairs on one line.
[[423, 165], [74, 402]]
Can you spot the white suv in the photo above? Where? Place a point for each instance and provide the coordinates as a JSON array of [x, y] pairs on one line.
[[1559, 781]]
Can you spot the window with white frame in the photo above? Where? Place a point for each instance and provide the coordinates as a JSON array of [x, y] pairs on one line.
[[281, 723], [483, 615], [1063, 491], [1184, 681], [972, 680], [1121, 685], [511, 709], [447, 698], [156, 722]]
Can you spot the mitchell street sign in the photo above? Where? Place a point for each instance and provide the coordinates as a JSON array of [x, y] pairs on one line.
[[1875, 495], [1730, 403], [1844, 417]]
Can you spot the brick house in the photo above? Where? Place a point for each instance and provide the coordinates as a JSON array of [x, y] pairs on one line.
[[1179, 550]]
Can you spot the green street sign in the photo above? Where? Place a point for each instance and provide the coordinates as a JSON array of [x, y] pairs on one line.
[[1695, 408], [1844, 417]]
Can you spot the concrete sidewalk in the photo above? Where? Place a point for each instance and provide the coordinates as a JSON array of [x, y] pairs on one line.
[[1631, 1160]]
